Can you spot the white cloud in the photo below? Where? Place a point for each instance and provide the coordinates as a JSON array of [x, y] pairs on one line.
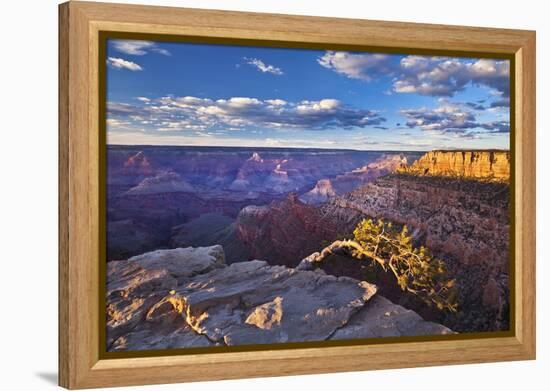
[[440, 76], [143, 99], [138, 48], [120, 63], [357, 66], [262, 67], [451, 117], [276, 102], [193, 113], [431, 76]]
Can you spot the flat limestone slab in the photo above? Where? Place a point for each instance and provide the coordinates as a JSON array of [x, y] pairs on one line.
[[382, 318], [188, 297], [252, 302]]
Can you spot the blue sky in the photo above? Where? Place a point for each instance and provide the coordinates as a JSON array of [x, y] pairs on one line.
[[161, 93]]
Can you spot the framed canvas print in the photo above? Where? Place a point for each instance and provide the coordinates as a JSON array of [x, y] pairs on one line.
[[248, 195]]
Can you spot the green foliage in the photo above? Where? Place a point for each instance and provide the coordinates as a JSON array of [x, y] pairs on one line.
[[414, 268]]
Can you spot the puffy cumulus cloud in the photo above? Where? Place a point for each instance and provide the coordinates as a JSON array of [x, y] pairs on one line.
[[431, 76], [193, 113], [442, 76], [362, 66], [276, 102], [138, 48], [263, 67], [120, 63], [452, 118]]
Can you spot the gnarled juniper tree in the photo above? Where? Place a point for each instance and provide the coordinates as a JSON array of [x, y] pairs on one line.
[[415, 269]]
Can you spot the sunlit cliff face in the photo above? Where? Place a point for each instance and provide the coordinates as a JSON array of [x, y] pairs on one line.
[[493, 165]]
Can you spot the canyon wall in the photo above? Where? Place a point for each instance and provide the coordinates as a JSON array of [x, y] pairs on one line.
[[463, 221], [470, 164]]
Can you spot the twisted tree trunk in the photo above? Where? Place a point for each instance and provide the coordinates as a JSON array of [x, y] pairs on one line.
[[349, 248]]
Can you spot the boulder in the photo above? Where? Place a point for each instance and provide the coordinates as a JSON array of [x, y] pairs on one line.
[[182, 262], [381, 318]]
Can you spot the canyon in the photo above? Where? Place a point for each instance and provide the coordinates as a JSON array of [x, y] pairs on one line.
[[203, 243], [160, 194]]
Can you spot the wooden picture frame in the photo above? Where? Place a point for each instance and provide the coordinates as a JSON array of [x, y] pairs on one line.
[[81, 364]]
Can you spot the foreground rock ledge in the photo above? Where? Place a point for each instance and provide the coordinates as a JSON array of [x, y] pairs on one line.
[[189, 297]]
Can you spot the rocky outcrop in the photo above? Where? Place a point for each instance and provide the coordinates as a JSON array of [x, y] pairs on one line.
[[493, 165], [386, 319], [188, 297]]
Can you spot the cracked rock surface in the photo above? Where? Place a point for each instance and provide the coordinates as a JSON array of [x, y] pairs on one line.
[[189, 297]]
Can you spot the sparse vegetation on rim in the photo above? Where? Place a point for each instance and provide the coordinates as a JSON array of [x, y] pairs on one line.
[[415, 269]]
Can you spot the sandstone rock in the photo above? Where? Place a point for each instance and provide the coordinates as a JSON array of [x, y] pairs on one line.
[[268, 315], [165, 331], [136, 285], [131, 291], [251, 301], [182, 262], [243, 303], [470, 164], [381, 318]]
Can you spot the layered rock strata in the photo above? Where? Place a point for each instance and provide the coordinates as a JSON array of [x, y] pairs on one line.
[[469, 164]]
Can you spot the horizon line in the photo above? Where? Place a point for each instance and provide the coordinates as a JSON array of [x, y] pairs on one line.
[[313, 148]]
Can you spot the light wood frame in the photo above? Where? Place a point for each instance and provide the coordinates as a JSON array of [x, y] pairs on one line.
[[80, 365]]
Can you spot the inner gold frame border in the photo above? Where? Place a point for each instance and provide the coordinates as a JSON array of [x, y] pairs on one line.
[[83, 29]]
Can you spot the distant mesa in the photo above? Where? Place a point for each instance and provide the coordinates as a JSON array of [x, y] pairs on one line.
[[256, 158], [163, 182], [491, 165], [322, 191], [138, 164]]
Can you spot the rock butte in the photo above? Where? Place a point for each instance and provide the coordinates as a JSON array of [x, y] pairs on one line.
[[189, 297]]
